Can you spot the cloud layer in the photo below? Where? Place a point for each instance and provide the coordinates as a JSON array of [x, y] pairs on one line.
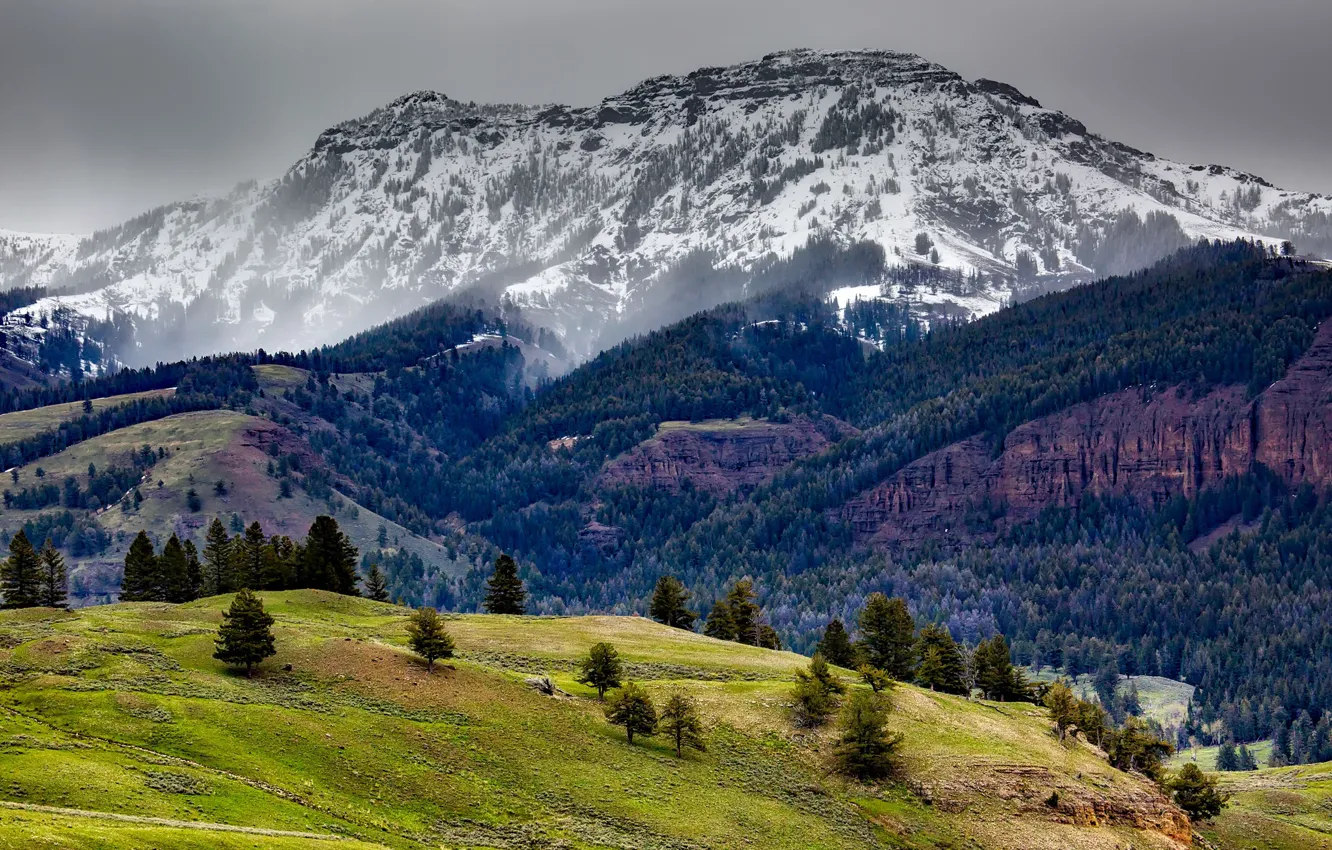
[[111, 107]]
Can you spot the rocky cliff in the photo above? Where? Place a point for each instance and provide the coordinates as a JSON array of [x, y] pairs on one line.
[[720, 457], [1148, 443]]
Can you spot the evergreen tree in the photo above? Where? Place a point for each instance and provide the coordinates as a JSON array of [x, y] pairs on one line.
[[20, 578], [1196, 793], [376, 587], [193, 570], [246, 635], [668, 604], [889, 636], [505, 593], [329, 561], [995, 674], [1063, 707], [632, 708], [428, 637], [942, 667], [601, 669], [142, 581], [1226, 757], [744, 613], [1136, 748], [865, 747], [719, 624], [217, 573], [1246, 759], [680, 722], [836, 646], [173, 572], [877, 680], [54, 588], [815, 693], [247, 553], [193, 502]]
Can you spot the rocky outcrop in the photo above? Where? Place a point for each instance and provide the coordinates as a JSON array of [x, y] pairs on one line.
[[1148, 443], [720, 457]]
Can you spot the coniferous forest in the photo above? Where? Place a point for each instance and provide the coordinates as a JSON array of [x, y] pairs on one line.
[[459, 444]]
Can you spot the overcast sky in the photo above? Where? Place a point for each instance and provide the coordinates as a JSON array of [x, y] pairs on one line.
[[109, 107]]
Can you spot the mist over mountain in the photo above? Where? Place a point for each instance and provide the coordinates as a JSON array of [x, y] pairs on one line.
[[603, 221]]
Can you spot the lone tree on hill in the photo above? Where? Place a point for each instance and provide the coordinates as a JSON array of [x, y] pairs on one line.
[[680, 722], [632, 708], [20, 574], [889, 636], [505, 593], [141, 582], [246, 635], [1196, 793], [427, 636], [375, 585], [601, 669], [865, 747], [836, 646], [53, 590], [668, 604]]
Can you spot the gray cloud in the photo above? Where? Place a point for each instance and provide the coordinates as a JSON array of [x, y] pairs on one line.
[[108, 107]]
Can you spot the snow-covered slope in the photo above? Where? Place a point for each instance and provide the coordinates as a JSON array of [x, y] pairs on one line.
[[573, 214]]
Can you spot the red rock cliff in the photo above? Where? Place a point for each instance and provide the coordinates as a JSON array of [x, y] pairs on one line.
[[1150, 445]]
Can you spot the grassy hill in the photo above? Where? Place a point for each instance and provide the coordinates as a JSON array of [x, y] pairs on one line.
[[118, 729], [201, 448], [1287, 808], [26, 423]]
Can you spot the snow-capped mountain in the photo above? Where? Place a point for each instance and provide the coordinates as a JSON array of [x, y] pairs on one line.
[[573, 214]]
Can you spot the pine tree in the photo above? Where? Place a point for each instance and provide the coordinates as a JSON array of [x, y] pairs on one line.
[[329, 561], [1063, 707], [601, 669], [376, 587], [1226, 757], [877, 680], [889, 636], [744, 613], [217, 576], [20, 574], [995, 674], [719, 624], [942, 667], [836, 646], [680, 722], [865, 747], [246, 635], [1196, 793], [632, 708], [141, 582], [504, 590], [54, 586], [173, 570], [428, 637], [193, 571], [815, 693], [1246, 759], [248, 557], [668, 604]]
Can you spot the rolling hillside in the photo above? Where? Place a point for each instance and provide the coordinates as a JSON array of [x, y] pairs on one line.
[[118, 714]]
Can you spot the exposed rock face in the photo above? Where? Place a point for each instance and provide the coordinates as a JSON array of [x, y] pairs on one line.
[[720, 457], [1152, 445]]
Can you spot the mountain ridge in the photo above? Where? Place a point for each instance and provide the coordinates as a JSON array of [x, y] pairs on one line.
[[576, 217]]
